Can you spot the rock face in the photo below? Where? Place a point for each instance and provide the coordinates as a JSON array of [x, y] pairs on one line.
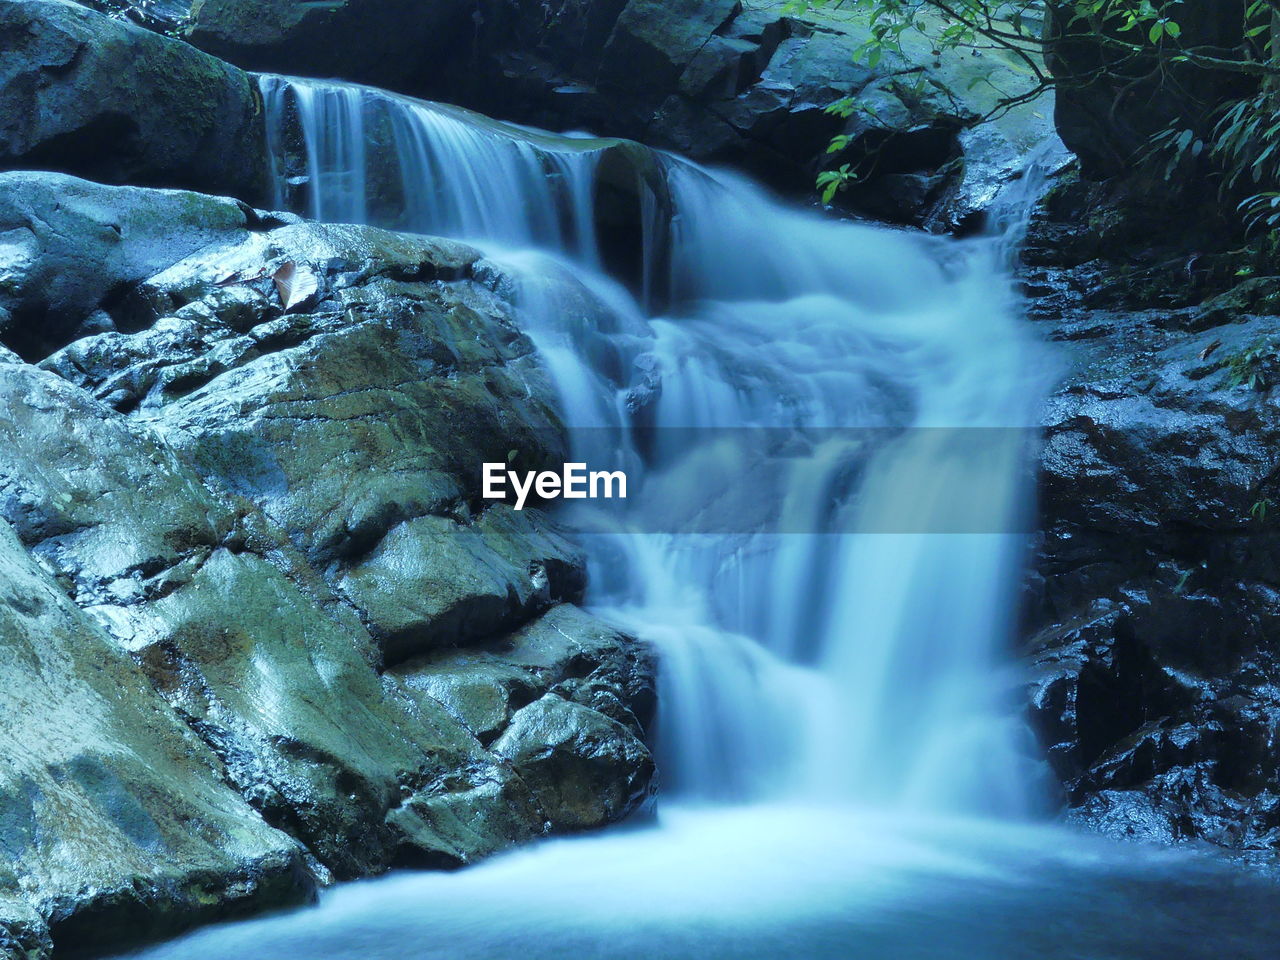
[[717, 80], [1110, 104], [86, 94], [113, 811], [1156, 669], [263, 505], [63, 263], [380, 42], [748, 85]]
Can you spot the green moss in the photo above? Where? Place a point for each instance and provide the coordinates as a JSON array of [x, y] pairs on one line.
[[1256, 295]]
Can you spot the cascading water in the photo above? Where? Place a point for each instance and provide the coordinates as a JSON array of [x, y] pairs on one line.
[[822, 423], [795, 663]]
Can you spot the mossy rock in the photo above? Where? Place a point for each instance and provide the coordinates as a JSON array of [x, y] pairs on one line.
[[175, 117], [1256, 295]]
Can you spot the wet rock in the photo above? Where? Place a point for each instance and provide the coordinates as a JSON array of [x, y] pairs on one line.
[[565, 651], [67, 251], [1155, 677], [1124, 815], [86, 94], [582, 767], [564, 700], [234, 489], [164, 16], [113, 810], [23, 933], [360, 427], [469, 580]]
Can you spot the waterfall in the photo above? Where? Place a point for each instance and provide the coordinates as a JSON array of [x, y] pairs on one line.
[[824, 423]]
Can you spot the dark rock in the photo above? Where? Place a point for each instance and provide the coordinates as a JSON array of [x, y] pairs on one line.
[[23, 933], [749, 87], [582, 767], [1155, 666], [86, 94], [385, 43], [653, 44], [1109, 104]]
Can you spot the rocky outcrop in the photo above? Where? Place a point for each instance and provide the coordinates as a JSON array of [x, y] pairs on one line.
[[749, 86], [86, 94], [718, 81], [262, 501], [1156, 671], [386, 43]]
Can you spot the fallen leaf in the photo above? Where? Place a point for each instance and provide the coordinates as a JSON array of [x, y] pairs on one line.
[[1207, 351], [295, 283]]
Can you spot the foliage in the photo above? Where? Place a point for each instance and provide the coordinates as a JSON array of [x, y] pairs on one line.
[[1253, 367], [832, 181], [1140, 40]]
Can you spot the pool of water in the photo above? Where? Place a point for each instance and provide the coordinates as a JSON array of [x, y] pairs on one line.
[[761, 883]]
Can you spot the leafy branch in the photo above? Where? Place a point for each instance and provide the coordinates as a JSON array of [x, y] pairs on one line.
[[1139, 42]]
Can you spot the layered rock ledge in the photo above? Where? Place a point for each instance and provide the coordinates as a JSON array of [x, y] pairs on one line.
[[260, 629]]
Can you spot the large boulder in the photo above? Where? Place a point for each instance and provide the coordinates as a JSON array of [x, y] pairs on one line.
[[264, 505], [86, 94], [564, 700], [357, 421], [389, 43]]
